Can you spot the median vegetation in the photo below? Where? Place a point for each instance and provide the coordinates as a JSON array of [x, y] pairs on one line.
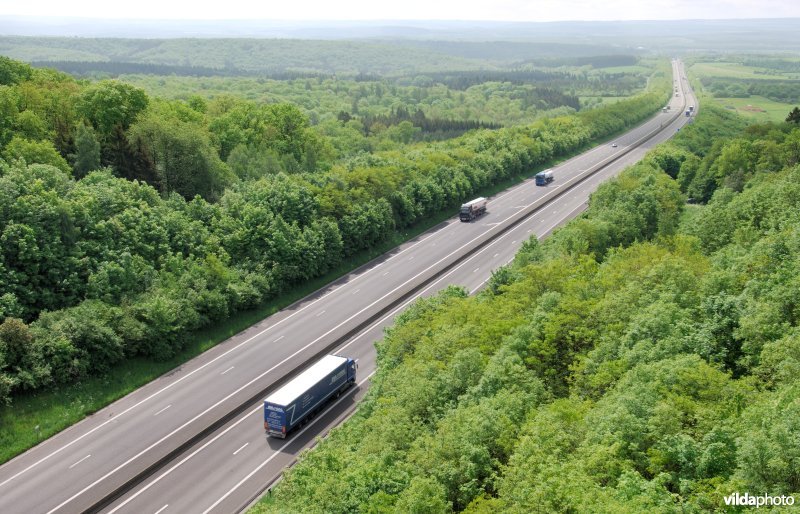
[[642, 359], [129, 222]]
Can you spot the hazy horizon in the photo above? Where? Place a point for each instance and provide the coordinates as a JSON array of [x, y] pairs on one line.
[[314, 11]]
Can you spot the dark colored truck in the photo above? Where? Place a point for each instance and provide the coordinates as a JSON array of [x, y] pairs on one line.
[[473, 209], [307, 393], [544, 177]]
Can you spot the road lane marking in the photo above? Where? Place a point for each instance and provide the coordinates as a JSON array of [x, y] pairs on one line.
[[240, 449], [278, 339], [385, 274], [179, 380], [562, 219], [216, 437], [475, 270], [222, 355], [270, 370], [320, 313], [356, 291], [162, 410], [162, 509], [495, 255], [83, 459], [227, 370], [280, 450]]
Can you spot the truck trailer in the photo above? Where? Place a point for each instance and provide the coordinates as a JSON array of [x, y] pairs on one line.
[[472, 209], [544, 177], [307, 393]]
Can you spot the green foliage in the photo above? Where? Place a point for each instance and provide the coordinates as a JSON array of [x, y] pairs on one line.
[[87, 151], [156, 237], [13, 72], [181, 154], [35, 152], [794, 116], [642, 359], [110, 104]]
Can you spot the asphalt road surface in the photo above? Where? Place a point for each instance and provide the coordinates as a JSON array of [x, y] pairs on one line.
[[194, 438]]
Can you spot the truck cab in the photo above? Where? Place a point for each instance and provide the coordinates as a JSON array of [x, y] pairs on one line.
[[472, 209], [544, 177]]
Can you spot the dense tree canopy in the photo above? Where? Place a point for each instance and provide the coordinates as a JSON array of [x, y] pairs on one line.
[[127, 222], [642, 359]]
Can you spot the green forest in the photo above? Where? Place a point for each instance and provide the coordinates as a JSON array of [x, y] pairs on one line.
[[129, 221], [644, 358]]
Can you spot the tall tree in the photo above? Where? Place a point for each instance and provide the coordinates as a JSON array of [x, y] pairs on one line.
[[181, 152], [794, 116], [87, 151]]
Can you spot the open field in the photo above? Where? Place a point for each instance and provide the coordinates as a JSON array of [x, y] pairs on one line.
[[729, 70], [756, 108]]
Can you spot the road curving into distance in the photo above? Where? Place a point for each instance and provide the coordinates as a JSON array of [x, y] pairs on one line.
[[193, 440]]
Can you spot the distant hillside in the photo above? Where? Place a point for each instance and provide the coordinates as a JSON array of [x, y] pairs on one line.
[[661, 36], [242, 55], [208, 57]]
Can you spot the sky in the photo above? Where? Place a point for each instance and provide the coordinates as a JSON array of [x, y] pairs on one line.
[[488, 10]]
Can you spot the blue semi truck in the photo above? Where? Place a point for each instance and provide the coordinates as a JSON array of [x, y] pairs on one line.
[[307, 393]]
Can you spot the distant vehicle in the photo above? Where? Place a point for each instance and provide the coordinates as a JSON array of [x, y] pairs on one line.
[[472, 209], [688, 113], [676, 94], [544, 177], [664, 109], [307, 393], [613, 145], [691, 108]]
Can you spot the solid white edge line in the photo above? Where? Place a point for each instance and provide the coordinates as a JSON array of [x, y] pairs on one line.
[[179, 380], [455, 252], [175, 466], [367, 330], [280, 450], [294, 354], [510, 191]]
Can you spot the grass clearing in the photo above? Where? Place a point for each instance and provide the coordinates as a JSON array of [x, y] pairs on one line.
[[729, 70], [756, 108]]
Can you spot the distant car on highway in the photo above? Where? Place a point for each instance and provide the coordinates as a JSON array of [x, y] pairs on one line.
[[613, 145]]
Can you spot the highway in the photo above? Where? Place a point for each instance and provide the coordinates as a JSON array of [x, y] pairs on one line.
[[196, 435]]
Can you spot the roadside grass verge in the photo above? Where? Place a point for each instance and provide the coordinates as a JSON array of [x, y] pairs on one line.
[[34, 417]]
